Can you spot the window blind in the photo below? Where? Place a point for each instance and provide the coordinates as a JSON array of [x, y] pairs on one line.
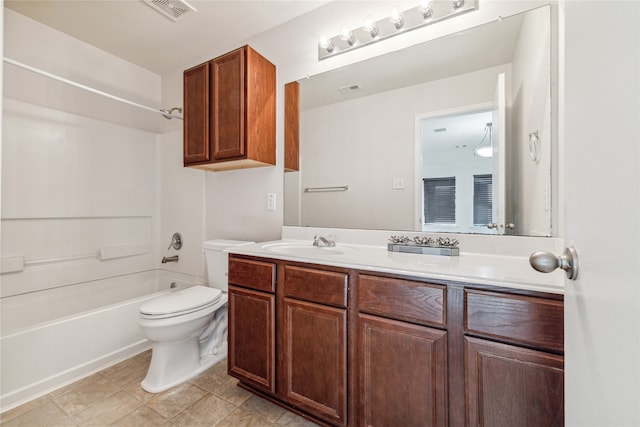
[[482, 199], [440, 200]]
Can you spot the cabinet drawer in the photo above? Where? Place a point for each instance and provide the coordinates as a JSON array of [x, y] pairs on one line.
[[323, 287], [252, 274], [416, 302], [530, 321]]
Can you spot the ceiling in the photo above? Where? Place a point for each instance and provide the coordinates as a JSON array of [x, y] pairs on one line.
[[132, 30]]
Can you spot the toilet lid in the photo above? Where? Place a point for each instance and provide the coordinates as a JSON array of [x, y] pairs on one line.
[[188, 299]]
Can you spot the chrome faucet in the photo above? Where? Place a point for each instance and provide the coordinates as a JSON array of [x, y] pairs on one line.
[[329, 241], [166, 259]]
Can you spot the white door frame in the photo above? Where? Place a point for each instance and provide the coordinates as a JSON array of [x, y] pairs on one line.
[[418, 192]]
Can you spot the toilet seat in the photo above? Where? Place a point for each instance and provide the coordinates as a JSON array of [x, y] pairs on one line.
[[181, 302]]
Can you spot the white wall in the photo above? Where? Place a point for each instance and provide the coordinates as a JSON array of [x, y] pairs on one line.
[[531, 112]]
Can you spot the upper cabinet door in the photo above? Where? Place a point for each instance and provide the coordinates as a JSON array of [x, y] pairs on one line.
[[227, 125], [196, 114]]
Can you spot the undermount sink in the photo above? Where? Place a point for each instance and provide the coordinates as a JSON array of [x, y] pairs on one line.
[[305, 249]]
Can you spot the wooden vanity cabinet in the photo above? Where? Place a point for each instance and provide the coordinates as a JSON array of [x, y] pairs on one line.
[[514, 364], [401, 353], [313, 342], [229, 112], [346, 347], [252, 323]]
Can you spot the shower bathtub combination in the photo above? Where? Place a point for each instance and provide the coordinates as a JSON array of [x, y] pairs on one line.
[[52, 338]]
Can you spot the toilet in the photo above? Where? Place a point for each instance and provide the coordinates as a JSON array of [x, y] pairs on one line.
[[188, 328]]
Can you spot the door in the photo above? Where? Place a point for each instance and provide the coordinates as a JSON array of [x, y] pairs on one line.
[[228, 105], [599, 95], [402, 373], [252, 337], [499, 155], [315, 359]]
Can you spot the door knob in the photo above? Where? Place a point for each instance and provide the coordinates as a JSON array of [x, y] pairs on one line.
[[546, 262]]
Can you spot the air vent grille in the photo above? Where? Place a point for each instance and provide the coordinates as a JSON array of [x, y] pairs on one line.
[[349, 89], [172, 9]]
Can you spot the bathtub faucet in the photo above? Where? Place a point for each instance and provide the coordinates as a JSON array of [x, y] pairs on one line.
[[166, 259]]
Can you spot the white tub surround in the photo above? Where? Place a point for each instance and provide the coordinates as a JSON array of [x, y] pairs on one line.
[[54, 337], [507, 265]]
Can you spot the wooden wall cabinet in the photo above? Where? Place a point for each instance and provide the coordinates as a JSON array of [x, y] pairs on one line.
[[230, 112], [345, 347]]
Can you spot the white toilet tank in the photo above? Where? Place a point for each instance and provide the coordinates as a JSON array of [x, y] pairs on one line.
[[218, 261]]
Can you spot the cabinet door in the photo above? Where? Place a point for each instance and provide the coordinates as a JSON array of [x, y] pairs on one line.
[[512, 386], [252, 337], [196, 114], [228, 106], [315, 359], [403, 374]]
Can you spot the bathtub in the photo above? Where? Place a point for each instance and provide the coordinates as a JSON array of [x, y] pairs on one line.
[[52, 338]]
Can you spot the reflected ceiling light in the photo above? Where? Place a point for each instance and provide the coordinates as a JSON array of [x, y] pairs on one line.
[[426, 12], [485, 149]]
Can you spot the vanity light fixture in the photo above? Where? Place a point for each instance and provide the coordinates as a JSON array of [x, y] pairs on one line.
[[426, 12]]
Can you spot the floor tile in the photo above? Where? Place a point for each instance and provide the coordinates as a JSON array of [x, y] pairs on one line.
[[130, 371], [108, 410], [290, 419], [212, 378], [243, 418], [263, 408], [23, 409], [48, 414], [86, 393], [207, 411], [142, 417], [230, 392], [173, 401]]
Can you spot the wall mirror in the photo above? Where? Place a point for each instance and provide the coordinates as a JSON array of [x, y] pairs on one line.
[[452, 135]]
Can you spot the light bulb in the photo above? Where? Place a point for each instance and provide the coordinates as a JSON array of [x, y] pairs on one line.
[[397, 19], [326, 44], [347, 35], [425, 9], [370, 27]]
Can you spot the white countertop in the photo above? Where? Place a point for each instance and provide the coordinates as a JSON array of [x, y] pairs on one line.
[[498, 270]]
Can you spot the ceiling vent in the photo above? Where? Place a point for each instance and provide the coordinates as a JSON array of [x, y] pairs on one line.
[[172, 9], [349, 89]]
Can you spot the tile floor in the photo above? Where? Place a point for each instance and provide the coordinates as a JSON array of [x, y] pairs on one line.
[[113, 397]]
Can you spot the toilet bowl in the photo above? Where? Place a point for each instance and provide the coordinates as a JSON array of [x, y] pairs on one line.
[[188, 328]]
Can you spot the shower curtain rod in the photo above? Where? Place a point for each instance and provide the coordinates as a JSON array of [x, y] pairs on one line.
[[165, 113]]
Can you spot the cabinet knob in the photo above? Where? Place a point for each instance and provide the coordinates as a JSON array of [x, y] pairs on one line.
[[546, 262]]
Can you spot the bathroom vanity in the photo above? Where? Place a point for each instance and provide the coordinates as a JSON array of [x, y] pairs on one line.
[[343, 342]]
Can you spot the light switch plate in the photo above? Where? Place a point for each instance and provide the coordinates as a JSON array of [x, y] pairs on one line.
[[271, 201]]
